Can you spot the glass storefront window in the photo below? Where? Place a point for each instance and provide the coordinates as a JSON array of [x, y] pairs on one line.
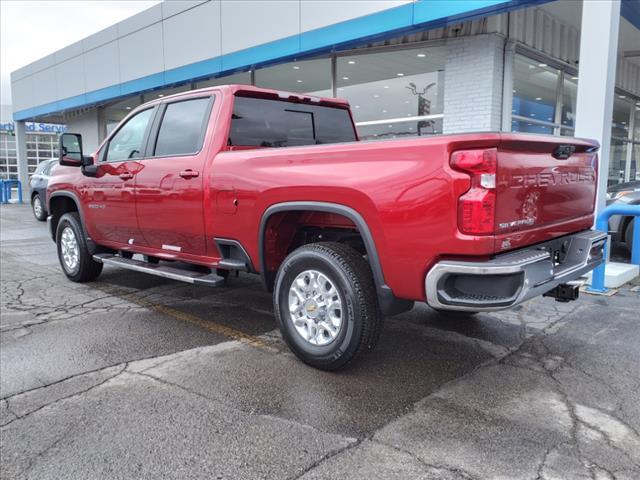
[[617, 161], [310, 76], [569, 99], [636, 129], [621, 116], [387, 90], [535, 87], [242, 78]]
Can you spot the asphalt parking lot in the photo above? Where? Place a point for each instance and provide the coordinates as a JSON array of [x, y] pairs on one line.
[[141, 377]]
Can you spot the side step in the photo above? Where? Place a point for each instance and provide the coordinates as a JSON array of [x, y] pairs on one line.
[[196, 278]]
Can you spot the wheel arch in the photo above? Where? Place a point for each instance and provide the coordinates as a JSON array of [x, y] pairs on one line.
[[62, 202], [389, 304]]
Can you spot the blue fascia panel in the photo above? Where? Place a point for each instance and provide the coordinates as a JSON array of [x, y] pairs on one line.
[[630, 10], [262, 54], [141, 84], [384, 24], [378, 23], [204, 68], [103, 94]]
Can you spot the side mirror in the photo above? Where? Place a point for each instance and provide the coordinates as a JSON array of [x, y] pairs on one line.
[[70, 150]]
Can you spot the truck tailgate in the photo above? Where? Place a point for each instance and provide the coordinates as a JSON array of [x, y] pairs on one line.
[[545, 186]]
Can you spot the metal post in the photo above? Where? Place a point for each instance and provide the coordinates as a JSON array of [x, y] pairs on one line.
[[602, 224], [21, 155], [596, 86]]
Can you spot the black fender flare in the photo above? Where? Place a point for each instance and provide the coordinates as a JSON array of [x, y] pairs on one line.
[[389, 304], [91, 245]]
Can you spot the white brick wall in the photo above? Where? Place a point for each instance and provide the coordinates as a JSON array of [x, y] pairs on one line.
[[473, 84]]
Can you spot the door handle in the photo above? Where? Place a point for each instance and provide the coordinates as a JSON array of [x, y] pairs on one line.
[[189, 173], [126, 175]]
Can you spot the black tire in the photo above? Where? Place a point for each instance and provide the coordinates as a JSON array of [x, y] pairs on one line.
[[86, 268], [628, 234], [36, 200], [361, 319]]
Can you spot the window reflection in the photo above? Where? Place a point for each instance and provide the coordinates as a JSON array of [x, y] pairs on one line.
[[535, 87], [311, 76], [386, 90]]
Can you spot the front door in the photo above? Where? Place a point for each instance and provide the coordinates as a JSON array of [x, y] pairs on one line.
[[110, 196], [170, 184]]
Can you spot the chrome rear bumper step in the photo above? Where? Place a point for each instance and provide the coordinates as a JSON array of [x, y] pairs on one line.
[[511, 278], [182, 275]]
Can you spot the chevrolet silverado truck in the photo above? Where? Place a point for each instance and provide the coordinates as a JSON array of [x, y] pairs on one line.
[[239, 178]]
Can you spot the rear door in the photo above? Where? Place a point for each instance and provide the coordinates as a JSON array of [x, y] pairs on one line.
[[169, 185]]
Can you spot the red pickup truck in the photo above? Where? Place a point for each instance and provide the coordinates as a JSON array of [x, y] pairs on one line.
[[238, 178]]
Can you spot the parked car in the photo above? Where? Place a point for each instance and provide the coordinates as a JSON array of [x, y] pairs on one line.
[[38, 188], [235, 178], [621, 228]]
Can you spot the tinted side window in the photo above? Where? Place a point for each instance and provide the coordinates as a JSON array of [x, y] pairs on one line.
[[182, 128], [274, 123], [127, 142]]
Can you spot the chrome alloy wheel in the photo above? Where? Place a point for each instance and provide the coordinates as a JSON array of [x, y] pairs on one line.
[[315, 308], [70, 249], [37, 206]]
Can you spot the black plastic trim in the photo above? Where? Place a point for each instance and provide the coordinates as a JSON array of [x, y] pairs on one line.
[[389, 304], [91, 245], [235, 243]]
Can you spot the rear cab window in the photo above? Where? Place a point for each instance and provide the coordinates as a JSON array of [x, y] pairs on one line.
[[260, 122], [183, 127]]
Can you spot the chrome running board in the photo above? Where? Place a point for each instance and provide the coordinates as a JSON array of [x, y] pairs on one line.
[[182, 275]]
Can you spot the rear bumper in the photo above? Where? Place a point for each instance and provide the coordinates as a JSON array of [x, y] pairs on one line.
[[511, 278]]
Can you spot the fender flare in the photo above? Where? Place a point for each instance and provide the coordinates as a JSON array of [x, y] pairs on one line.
[[389, 304], [91, 245]]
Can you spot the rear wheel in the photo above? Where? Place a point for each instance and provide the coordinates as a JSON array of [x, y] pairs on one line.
[[37, 206], [76, 261], [326, 305]]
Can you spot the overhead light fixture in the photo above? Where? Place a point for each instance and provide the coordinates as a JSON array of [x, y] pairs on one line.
[[538, 98], [514, 90], [400, 74], [296, 67], [406, 101], [160, 95], [421, 55], [390, 126], [621, 96], [299, 81], [542, 65], [533, 114], [386, 86], [376, 96], [409, 115], [574, 78], [128, 108], [345, 78], [357, 106], [351, 62], [384, 111]]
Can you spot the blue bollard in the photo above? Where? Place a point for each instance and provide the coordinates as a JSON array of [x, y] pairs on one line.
[[602, 224]]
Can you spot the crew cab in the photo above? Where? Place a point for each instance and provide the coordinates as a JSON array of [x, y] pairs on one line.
[[239, 178]]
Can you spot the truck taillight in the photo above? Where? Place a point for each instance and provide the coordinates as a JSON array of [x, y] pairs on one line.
[[477, 207]]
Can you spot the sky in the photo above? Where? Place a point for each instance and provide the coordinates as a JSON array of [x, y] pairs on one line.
[[30, 29]]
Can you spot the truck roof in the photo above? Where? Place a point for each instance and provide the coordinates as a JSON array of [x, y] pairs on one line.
[[252, 91]]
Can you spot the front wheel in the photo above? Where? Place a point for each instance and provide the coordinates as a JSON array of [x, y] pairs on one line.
[[326, 304], [74, 256], [37, 206]]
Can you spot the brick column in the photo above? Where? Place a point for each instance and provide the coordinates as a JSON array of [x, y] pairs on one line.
[[473, 84]]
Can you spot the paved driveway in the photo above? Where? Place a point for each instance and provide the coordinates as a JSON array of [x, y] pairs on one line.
[[140, 377]]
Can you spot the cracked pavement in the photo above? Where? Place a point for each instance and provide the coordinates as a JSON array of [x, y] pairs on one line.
[[141, 377]]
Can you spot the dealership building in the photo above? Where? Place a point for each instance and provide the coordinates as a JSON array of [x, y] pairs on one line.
[[408, 68]]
